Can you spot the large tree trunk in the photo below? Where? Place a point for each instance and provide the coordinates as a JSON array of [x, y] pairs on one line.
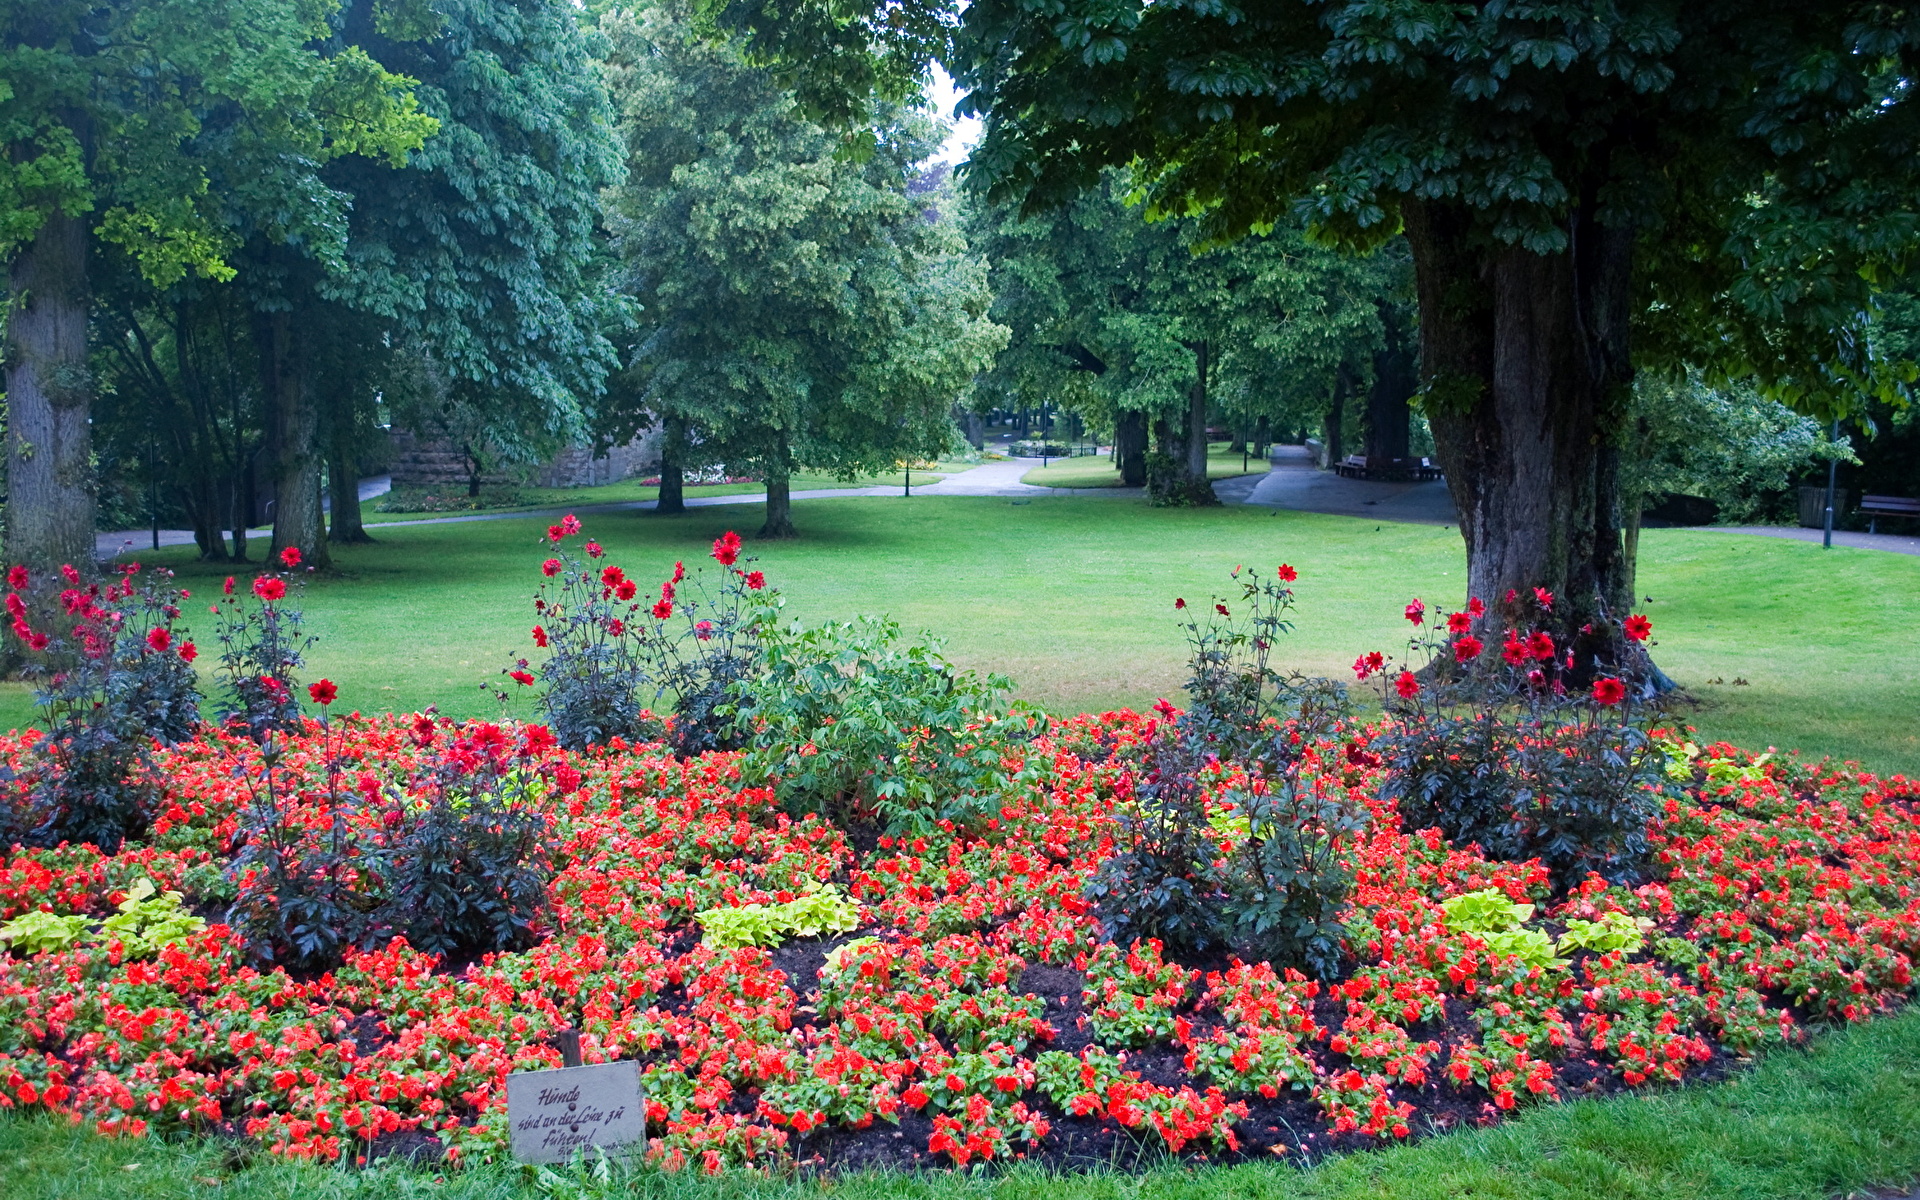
[[1525, 358], [343, 482], [1394, 382], [1199, 487], [1262, 437], [672, 499], [1333, 424], [1130, 446], [295, 423], [779, 488], [49, 401]]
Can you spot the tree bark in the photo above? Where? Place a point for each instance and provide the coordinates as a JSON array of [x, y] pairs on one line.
[[779, 492], [1332, 426], [1394, 381], [50, 503], [1262, 437], [1197, 481], [1528, 376], [672, 501], [296, 467], [343, 479], [1130, 446]]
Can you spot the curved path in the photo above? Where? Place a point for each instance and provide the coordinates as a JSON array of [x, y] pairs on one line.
[[1292, 482]]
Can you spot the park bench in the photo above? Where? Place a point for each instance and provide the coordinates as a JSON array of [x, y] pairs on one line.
[[1890, 506], [1398, 470]]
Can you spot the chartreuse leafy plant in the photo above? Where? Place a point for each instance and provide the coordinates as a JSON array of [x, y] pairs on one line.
[[145, 921], [823, 908]]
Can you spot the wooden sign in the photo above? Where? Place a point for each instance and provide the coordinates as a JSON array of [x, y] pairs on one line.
[[554, 1113]]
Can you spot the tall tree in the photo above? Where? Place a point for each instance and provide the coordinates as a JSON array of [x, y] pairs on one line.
[[1125, 321], [1584, 185], [112, 114], [479, 259], [798, 306]]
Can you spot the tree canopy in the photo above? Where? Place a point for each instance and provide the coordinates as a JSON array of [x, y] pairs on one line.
[[798, 307]]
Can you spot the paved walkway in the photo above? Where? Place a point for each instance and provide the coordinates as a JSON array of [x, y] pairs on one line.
[[1292, 483], [1295, 483], [1891, 542]]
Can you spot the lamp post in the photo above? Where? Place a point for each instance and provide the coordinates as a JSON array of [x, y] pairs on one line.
[[1833, 468]]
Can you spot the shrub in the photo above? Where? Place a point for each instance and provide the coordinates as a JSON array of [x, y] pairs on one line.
[[852, 719], [455, 860], [116, 679], [463, 861], [611, 652], [1519, 759], [1255, 867], [262, 644]]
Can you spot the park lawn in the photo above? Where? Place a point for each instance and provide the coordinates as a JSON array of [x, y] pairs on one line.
[[1096, 470], [631, 491], [1836, 1120], [1073, 598]]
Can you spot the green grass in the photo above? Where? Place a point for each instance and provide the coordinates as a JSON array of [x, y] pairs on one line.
[[1073, 599], [1096, 470], [1837, 1120]]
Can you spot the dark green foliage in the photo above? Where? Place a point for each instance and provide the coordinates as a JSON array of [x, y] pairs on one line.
[[1256, 870], [262, 641], [1563, 783], [464, 865], [456, 861]]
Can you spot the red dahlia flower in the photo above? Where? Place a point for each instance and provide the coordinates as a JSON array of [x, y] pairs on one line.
[[159, 639], [322, 693], [1459, 622], [1164, 709], [703, 630], [290, 557], [227, 587], [594, 550], [726, 548], [1179, 602], [269, 587], [626, 589], [1514, 651], [1608, 691], [1467, 648], [539, 637], [1476, 608], [569, 525], [1416, 611], [69, 574], [679, 571], [1221, 609], [1369, 664], [1288, 574], [1638, 628], [612, 575], [550, 568], [189, 652], [16, 576], [1406, 685], [1540, 645], [663, 610], [755, 580], [1543, 598], [522, 678]]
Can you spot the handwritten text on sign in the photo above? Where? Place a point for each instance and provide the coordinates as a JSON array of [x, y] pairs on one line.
[[554, 1113]]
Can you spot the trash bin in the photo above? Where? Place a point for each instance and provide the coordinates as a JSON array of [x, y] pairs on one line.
[[1813, 505]]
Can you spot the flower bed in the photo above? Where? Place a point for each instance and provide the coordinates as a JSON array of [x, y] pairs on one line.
[[973, 1014]]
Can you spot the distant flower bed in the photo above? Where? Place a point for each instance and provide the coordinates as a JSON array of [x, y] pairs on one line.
[[703, 480]]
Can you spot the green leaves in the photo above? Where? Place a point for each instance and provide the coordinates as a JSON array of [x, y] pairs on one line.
[[147, 920]]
